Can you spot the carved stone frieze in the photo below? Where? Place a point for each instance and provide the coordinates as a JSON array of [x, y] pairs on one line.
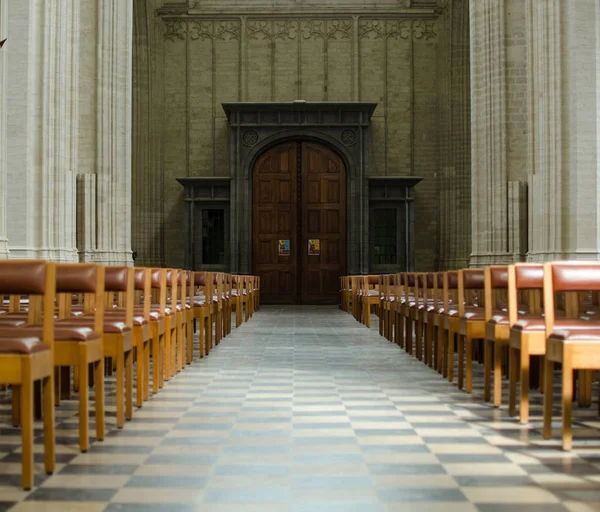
[[397, 29], [226, 30], [326, 29], [175, 29], [272, 29]]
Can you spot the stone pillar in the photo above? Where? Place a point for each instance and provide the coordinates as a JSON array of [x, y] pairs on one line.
[[105, 135], [455, 118], [545, 131], [113, 182], [3, 147], [498, 117], [42, 129]]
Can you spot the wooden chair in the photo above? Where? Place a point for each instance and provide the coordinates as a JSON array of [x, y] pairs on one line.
[[356, 295], [527, 334], [471, 323], [371, 297], [116, 328], [497, 328], [203, 292], [26, 358], [236, 299], [174, 322], [572, 341], [448, 324]]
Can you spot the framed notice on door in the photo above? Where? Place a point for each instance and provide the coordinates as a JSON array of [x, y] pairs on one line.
[[314, 247], [284, 247]]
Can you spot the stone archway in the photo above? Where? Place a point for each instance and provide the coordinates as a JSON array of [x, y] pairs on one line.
[[342, 126]]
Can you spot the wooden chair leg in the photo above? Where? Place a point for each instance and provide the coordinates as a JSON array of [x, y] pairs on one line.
[[26, 396], [497, 374], [487, 369], [120, 360], [84, 405], [146, 370], [469, 363], [49, 436], [129, 385], [567, 401], [513, 371], [155, 362], [139, 388], [99, 395], [524, 378], [16, 406], [450, 359], [548, 398], [460, 354]]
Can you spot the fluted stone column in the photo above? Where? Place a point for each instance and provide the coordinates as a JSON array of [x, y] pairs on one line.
[[3, 148], [42, 129], [455, 177], [498, 138], [545, 131], [104, 184], [113, 185]]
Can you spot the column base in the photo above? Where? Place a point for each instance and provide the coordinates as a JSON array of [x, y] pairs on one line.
[[541, 257], [486, 259], [4, 252], [56, 255], [453, 263], [110, 258]]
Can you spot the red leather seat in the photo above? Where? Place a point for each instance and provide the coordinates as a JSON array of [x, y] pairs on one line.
[[21, 345]]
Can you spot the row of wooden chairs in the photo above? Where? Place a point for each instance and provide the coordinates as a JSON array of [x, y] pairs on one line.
[[59, 321], [520, 321]]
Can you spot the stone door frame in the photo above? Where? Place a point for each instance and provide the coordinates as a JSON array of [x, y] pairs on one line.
[[344, 127]]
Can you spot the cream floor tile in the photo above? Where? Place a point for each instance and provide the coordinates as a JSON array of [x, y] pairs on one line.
[[467, 449], [213, 433], [415, 481], [258, 507], [12, 493], [389, 440], [430, 507], [318, 408], [447, 432], [174, 470], [559, 480], [348, 495], [253, 458], [300, 420], [190, 449], [157, 496], [381, 425], [484, 469], [259, 481], [573, 506], [330, 469], [109, 458], [323, 432], [509, 495], [131, 441], [400, 458], [86, 481], [57, 506]]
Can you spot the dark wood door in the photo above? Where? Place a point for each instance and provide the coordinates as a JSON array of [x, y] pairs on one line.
[[299, 196]]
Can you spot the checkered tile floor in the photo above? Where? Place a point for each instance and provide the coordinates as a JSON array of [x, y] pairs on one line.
[[304, 409]]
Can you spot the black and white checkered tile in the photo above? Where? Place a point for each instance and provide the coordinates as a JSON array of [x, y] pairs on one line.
[[304, 409]]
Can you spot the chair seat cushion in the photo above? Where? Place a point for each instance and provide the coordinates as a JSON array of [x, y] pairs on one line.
[[577, 335], [111, 326], [120, 315], [9, 321], [23, 344]]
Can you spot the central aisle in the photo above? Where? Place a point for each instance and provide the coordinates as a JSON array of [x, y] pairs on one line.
[[304, 409]]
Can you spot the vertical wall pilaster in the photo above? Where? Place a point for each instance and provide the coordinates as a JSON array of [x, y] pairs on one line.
[[544, 130], [113, 118], [455, 144], [3, 148]]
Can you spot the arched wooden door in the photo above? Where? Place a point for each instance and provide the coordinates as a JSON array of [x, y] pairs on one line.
[[299, 223]]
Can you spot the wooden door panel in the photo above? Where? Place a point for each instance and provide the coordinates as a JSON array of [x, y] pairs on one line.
[[275, 209], [323, 217]]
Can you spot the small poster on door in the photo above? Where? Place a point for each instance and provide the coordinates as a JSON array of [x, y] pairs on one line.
[[314, 247], [284, 247]]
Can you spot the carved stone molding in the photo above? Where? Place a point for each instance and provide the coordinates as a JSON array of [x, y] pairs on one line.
[[272, 29], [224, 30], [327, 29], [397, 29], [348, 137], [250, 137]]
